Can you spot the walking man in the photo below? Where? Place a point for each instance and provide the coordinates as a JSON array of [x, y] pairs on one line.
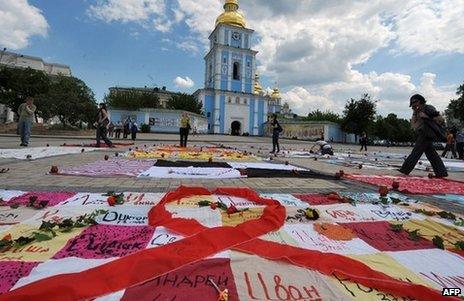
[[426, 121], [26, 116], [101, 124]]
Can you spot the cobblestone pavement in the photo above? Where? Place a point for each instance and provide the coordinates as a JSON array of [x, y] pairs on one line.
[[32, 175]]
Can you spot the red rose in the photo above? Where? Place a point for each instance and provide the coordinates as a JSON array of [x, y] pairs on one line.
[[383, 190], [232, 209], [111, 200], [213, 206]]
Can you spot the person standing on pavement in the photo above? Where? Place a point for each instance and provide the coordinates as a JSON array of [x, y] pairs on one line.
[[26, 113], [426, 121], [134, 130], [111, 129], [101, 123], [126, 128], [118, 130], [460, 144], [276, 130], [184, 129], [450, 145], [363, 141]]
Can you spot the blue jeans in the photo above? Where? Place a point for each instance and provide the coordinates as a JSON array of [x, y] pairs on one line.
[[25, 130]]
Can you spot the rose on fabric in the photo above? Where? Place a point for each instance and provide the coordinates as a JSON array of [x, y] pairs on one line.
[[383, 190], [111, 201], [232, 209]]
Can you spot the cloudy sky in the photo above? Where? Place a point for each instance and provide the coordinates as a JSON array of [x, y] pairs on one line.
[[319, 52]]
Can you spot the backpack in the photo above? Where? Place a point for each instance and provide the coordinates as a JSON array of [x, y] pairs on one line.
[[436, 123]]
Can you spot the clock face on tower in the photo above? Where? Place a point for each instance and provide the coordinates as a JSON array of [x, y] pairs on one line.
[[236, 36]]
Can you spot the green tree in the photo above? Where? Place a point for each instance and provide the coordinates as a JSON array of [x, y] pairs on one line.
[[359, 115], [69, 99], [186, 102], [455, 111], [393, 128], [318, 115], [132, 100], [18, 83]]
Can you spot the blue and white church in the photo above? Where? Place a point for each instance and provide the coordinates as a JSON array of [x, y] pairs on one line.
[[233, 99]]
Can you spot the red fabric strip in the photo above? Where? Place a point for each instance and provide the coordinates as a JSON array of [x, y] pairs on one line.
[[204, 242]]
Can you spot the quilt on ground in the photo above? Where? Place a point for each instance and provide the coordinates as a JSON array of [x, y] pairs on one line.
[[32, 153], [362, 250]]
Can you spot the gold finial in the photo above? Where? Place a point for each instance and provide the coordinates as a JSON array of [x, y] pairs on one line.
[[231, 16], [275, 93]]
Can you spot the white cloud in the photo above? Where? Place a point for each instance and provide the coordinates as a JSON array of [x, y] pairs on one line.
[[183, 82], [312, 48], [19, 21], [188, 46], [393, 91], [428, 26], [150, 13]]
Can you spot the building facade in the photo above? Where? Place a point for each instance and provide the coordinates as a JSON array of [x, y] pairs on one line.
[[233, 100], [160, 120], [16, 60], [312, 131], [163, 94]]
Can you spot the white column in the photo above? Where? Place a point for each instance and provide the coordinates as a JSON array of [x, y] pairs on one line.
[[217, 113], [218, 69]]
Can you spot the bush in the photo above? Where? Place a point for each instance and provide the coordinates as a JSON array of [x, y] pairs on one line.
[[145, 128], [62, 127]]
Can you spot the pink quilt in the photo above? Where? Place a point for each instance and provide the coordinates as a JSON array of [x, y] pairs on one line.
[[110, 168], [413, 185]]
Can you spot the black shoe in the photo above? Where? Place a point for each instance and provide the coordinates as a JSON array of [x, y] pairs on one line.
[[22, 144], [441, 176], [403, 172]]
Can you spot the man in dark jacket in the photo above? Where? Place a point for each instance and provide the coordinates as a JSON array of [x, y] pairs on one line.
[[424, 122]]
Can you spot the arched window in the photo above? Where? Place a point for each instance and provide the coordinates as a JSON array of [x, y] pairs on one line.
[[229, 100], [237, 100], [245, 101], [236, 74]]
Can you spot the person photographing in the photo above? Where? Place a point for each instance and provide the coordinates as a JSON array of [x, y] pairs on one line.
[[324, 148]]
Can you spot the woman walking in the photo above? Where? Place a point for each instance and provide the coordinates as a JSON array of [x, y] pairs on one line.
[[184, 129], [276, 130]]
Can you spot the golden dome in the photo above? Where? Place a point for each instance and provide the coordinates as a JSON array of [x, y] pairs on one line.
[[275, 94], [257, 89], [231, 16]]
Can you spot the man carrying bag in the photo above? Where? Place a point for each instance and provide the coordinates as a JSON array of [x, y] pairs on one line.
[[428, 125]]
